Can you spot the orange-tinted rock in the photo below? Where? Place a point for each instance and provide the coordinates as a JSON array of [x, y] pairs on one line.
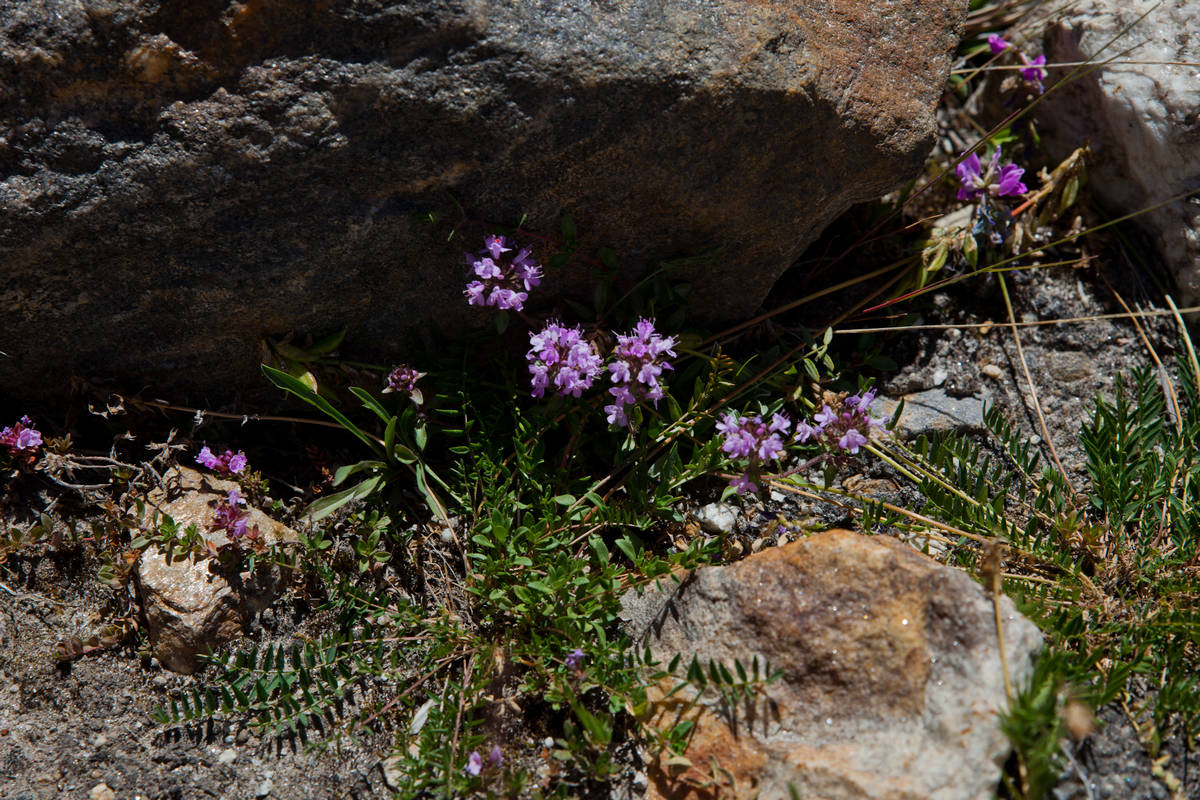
[[189, 608], [891, 674]]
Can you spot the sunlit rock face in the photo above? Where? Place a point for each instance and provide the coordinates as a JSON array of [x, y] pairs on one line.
[[1139, 114], [891, 678], [180, 178]]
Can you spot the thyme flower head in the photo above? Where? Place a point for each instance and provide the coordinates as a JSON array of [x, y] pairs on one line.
[[503, 284], [638, 360], [752, 439], [848, 429], [561, 358]]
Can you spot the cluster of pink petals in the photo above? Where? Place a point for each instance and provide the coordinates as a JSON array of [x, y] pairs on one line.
[[22, 436], [504, 285], [848, 430], [229, 463], [638, 360], [996, 181], [230, 517], [750, 438], [562, 358]]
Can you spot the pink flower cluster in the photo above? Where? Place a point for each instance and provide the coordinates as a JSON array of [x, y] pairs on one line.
[[848, 429], [750, 438], [230, 517], [1033, 72], [562, 358], [500, 284], [638, 360], [227, 464], [22, 436]]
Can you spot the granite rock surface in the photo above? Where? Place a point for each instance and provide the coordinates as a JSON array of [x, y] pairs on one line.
[[180, 178]]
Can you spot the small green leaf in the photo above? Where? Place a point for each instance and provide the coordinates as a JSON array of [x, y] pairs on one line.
[[568, 228]]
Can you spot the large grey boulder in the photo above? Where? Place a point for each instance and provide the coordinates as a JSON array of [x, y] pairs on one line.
[[179, 178], [1138, 113]]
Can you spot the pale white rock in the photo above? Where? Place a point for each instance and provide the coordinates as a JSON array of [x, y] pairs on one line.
[[189, 608], [228, 756], [1138, 113], [891, 680], [101, 791], [717, 518]]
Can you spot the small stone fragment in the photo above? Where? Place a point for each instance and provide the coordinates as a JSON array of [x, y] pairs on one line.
[[228, 756], [992, 371], [717, 518], [934, 411], [265, 788], [101, 791]]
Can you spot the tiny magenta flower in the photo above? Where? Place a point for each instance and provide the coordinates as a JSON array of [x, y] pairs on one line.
[[474, 764], [997, 181], [1033, 70], [496, 757], [230, 517], [229, 463], [997, 44], [21, 436], [574, 659]]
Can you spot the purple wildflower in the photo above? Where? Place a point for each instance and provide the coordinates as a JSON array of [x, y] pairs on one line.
[[562, 358], [997, 44], [997, 181], [574, 659], [638, 360], [230, 517], [1033, 70], [474, 764], [848, 429], [22, 441], [752, 439], [499, 284], [21, 436], [228, 464], [404, 379], [495, 757]]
